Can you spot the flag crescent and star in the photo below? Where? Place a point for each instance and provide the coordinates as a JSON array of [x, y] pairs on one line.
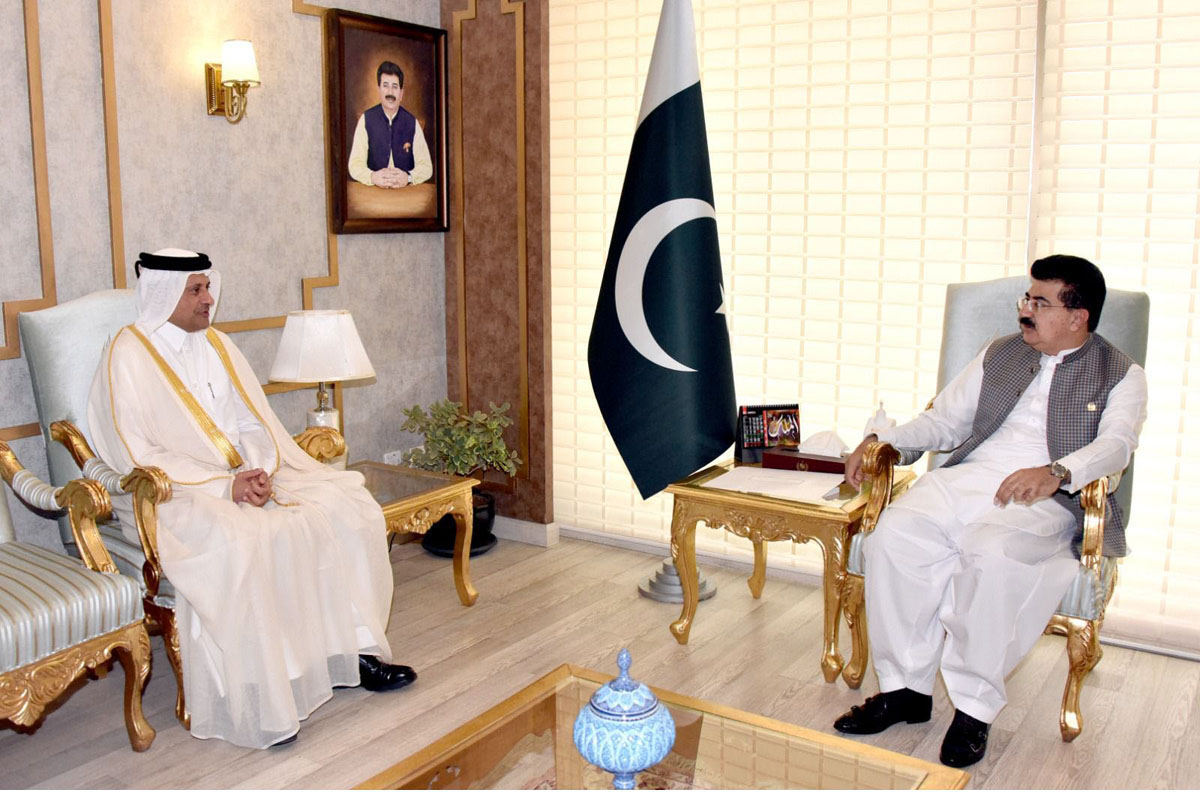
[[659, 354]]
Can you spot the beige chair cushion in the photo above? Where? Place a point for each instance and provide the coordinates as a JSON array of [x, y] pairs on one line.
[[49, 602]]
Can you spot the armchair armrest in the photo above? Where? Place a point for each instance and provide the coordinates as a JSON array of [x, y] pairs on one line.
[[1094, 497], [321, 443], [149, 487], [65, 433], [85, 501], [879, 467]]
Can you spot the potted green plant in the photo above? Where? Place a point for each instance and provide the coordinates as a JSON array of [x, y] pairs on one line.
[[461, 443]]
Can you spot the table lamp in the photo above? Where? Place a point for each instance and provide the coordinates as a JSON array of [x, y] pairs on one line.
[[320, 346]]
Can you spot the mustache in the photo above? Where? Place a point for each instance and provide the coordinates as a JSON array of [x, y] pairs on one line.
[[389, 96], [1027, 322]]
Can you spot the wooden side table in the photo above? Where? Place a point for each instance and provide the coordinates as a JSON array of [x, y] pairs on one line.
[[413, 499], [760, 519]]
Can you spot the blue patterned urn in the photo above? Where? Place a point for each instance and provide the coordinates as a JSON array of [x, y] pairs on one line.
[[623, 728]]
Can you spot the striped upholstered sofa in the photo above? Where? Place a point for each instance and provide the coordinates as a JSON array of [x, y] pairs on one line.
[[58, 616]]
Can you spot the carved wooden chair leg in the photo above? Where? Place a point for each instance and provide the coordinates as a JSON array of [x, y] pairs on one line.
[[164, 619], [1083, 652], [135, 659], [855, 610]]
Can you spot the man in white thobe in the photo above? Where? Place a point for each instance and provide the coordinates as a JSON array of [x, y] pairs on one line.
[[279, 563], [965, 569]]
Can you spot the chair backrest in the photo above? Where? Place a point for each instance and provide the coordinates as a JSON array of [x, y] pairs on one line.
[[62, 347], [979, 312]]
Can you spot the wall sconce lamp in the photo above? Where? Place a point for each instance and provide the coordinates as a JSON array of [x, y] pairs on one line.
[[226, 82]]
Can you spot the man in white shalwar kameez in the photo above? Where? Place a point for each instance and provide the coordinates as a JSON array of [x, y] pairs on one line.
[[279, 563], [965, 569]]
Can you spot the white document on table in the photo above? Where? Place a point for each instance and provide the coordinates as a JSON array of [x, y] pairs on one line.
[[783, 483]]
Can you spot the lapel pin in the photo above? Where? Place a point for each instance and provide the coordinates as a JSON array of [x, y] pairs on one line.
[[1091, 407]]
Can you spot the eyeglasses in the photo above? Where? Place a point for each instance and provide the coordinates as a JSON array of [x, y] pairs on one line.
[[1037, 304]]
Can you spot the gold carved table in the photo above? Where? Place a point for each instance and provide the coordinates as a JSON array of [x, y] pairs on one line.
[[413, 499], [760, 519]]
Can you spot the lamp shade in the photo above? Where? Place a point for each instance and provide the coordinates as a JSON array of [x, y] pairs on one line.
[[320, 345], [237, 63]]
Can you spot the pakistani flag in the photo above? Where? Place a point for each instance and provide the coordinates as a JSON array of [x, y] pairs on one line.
[[659, 350]]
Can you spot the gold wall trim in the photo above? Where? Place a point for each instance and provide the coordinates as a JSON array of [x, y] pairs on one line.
[[253, 324], [13, 432], [41, 189], [518, 10], [108, 82]]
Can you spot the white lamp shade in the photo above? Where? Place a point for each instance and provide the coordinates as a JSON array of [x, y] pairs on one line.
[[237, 63], [320, 345]]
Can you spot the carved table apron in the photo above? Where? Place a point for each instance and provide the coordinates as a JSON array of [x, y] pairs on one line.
[[760, 519], [413, 499]]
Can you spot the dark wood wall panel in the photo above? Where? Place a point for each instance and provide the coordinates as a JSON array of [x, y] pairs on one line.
[[497, 247]]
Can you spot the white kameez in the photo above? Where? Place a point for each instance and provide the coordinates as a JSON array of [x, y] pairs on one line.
[[274, 604], [958, 583]]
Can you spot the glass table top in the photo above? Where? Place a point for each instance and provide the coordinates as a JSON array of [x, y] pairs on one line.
[[389, 483], [526, 743]]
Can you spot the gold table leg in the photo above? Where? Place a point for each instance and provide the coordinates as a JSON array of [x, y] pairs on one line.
[[759, 577], [835, 572], [464, 522], [683, 553], [856, 619]]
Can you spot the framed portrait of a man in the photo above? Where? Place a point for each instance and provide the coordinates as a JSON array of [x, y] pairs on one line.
[[386, 120]]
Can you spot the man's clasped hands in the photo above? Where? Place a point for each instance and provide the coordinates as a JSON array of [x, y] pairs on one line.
[[252, 486]]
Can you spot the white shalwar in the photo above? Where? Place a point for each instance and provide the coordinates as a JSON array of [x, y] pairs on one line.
[[952, 578], [274, 604]]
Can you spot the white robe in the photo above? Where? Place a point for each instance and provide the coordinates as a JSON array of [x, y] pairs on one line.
[[956, 583], [274, 604]]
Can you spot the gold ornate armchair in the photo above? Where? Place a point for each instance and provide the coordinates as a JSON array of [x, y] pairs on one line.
[[975, 314], [58, 617], [62, 348]]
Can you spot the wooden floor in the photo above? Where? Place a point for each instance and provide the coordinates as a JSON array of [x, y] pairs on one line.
[[578, 602]]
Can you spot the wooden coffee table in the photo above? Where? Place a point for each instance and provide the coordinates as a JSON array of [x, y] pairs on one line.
[[525, 742], [413, 499]]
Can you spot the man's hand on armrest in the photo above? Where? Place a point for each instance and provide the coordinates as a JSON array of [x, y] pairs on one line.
[[252, 486], [1027, 486], [854, 473]]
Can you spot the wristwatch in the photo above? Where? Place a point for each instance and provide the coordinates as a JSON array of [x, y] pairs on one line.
[[1061, 472]]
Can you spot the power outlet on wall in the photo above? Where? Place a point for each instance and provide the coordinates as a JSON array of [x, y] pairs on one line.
[[394, 457]]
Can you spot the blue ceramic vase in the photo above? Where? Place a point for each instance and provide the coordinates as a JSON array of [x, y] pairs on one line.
[[623, 728]]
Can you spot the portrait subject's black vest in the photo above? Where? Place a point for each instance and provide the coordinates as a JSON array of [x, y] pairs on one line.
[[394, 138], [1078, 395]]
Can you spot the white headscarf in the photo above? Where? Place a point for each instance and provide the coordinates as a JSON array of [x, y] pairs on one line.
[[159, 291]]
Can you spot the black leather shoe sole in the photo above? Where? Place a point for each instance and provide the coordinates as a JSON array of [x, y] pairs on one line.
[[285, 741], [884, 710]]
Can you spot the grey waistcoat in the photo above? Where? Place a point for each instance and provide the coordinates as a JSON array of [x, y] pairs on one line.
[[1078, 395]]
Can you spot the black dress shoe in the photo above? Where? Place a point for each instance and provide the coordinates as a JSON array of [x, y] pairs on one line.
[[285, 741], [883, 710], [966, 740], [374, 674]]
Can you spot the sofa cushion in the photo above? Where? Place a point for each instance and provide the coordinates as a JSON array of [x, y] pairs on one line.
[[49, 602]]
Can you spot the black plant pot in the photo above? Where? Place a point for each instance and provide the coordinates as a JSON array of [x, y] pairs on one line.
[[439, 540]]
